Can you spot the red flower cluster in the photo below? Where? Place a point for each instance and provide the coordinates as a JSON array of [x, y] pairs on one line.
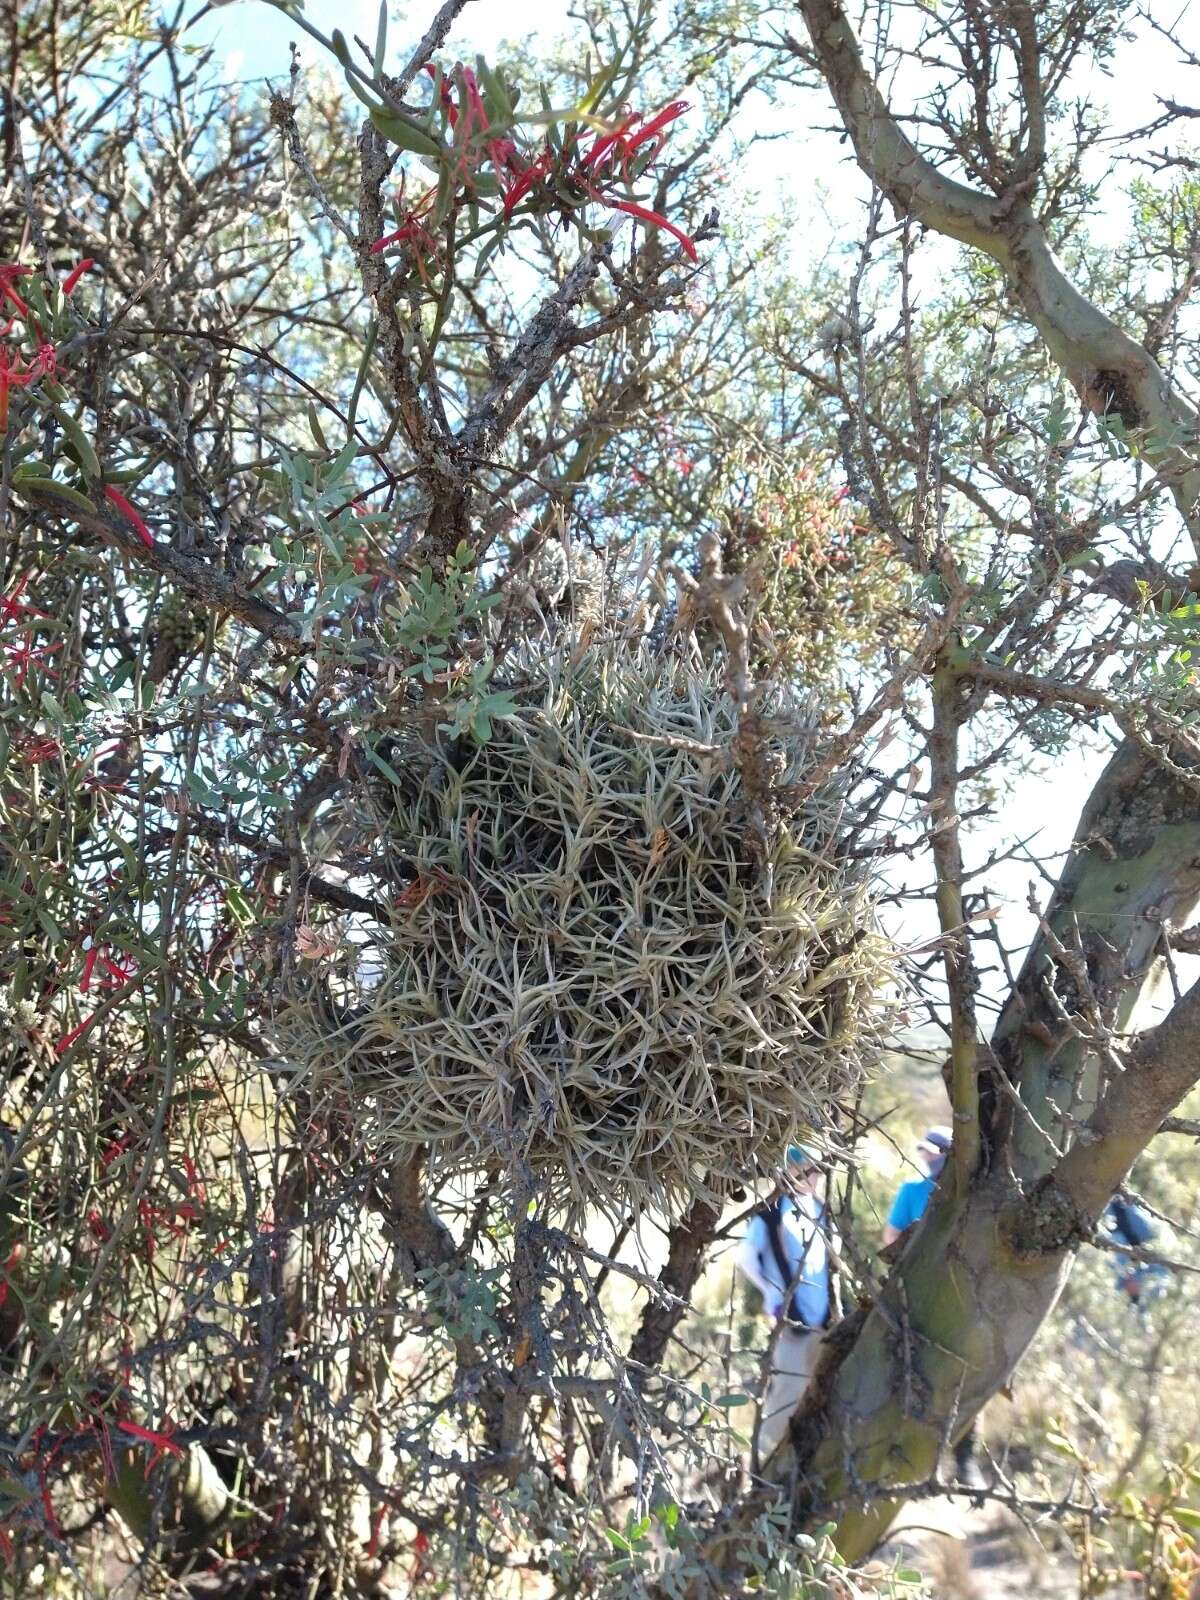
[[35, 748], [10, 270], [612, 155], [176, 1219], [12, 607], [45, 363], [160, 1440], [115, 976], [23, 656], [97, 1227], [412, 232], [15, 376]]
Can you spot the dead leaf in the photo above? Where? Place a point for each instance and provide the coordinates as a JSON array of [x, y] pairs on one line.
[[988, 914], [421, 888], [314, 943], [344, 754], [659, 845]]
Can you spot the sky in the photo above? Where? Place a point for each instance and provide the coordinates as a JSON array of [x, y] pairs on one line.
[[253, 36], [821, 192]]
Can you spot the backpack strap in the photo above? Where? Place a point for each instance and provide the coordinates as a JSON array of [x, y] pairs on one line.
[[773, 1220]]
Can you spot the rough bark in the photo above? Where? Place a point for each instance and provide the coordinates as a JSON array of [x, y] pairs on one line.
[[689, 1242], [1135, 871], [1064, 1111]]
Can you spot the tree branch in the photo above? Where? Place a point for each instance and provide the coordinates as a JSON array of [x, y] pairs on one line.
[[1161, 1067], [1110, 371], [202, 581]]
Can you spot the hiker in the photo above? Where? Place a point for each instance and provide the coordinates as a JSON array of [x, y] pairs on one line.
[[912, 1197], [1128, 1224], [786, 1253], [908, 1208]]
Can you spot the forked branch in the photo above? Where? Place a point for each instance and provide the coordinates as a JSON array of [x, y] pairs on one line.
[[1111, 372]]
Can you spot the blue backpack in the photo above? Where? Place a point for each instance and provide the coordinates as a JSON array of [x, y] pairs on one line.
[[1130, 1223]]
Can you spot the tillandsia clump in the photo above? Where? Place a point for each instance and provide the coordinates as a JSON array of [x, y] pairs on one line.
[[593, 980]]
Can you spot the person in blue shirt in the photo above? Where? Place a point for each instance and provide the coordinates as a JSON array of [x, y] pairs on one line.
[[912, 1197], [1128, 1224], [786, 1252]]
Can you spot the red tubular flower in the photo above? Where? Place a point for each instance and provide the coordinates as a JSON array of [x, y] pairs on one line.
[[176, 1221], [147, 1215], [117, 1148], [13, 376], [376, 1530], [518, 189], [115, 975], [410, 231], [468, 121], [644, 214], [521, 185], [420, 1546], [12, 608], [618, 148], [446, 97], [97, 1425], [601, 153], [73, 277], [195, 1180], [130, 515], [35, 750], [502, 153], [622, 143], [89, 963], [24, 656], [476, 115], [97, 1227], [76, 1033], [653, 128], [161, 1440], [8, 272]]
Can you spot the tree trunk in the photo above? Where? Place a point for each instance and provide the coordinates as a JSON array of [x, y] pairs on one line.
[[1063, 1116]]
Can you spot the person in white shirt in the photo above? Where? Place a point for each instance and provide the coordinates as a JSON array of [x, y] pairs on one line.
[[786, 1253]]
